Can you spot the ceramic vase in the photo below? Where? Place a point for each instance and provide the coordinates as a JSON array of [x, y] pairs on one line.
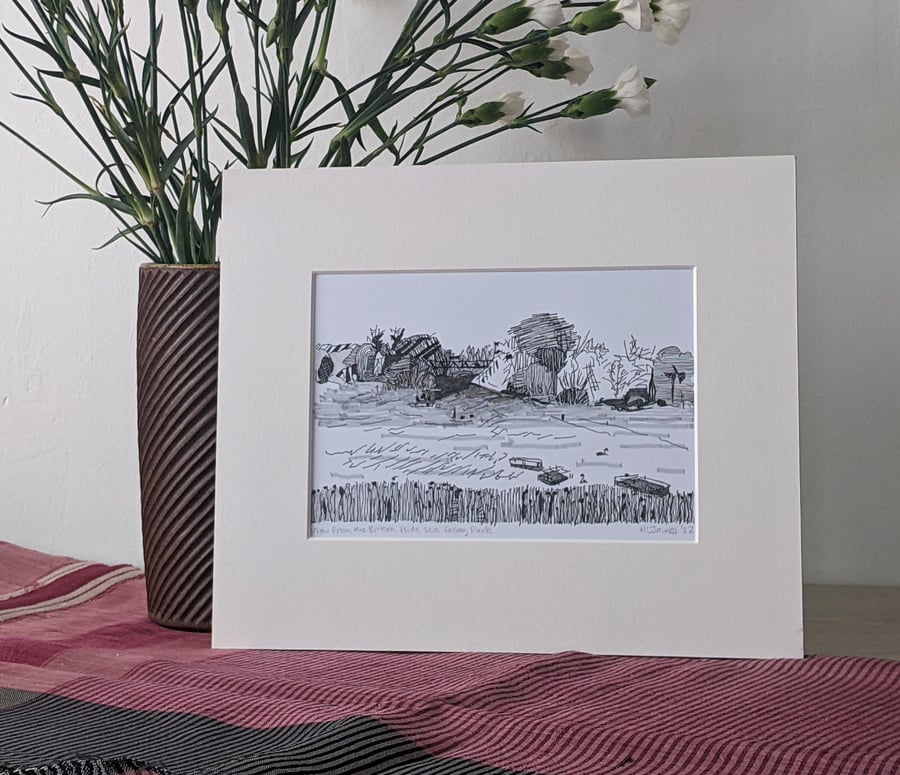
[[177, 366]]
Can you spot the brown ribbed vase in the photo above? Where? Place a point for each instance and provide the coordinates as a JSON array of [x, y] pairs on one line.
[[177, 364]]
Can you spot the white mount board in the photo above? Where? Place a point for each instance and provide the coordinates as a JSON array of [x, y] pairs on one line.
[[736, 592]]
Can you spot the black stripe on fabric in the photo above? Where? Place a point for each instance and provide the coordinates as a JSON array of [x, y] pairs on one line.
[[9, 698], [58, 736], [87, 767]]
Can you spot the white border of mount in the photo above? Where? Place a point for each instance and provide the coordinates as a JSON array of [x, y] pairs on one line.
[[736, 592]]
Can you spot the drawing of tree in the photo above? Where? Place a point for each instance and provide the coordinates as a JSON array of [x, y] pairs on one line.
[[675, 369], [617, 376], [442, 361], [580, 377], [408, 359], [674, 375], [637, 354], [640, 360], [599, 349], [639, 357], [547, 338]]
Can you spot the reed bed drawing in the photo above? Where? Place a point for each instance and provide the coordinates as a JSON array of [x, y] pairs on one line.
[[441, 502]]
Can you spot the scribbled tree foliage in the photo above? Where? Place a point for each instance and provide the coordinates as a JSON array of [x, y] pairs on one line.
[[580, 378], [546, 337]]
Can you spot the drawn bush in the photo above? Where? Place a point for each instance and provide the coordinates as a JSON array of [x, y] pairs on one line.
[[581, 377], [616, 375]]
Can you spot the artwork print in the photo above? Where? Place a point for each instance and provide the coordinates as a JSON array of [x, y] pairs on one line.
[[555, 404]]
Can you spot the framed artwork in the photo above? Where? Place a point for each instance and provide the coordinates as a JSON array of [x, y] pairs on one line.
[[458, 411], [492, 417]]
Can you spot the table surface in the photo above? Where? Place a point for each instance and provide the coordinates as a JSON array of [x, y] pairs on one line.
[[852, 621], [83, 673]]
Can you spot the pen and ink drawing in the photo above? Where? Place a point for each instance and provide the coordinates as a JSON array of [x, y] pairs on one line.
[[527, 404]]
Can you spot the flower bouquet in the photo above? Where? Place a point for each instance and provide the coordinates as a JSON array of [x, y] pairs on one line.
[[253, 85]]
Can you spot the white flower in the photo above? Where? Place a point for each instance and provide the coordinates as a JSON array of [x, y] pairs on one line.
[[637, 14], [558, 47], [548, 13], [631, 92], [512, 105], [505, 109], [578, 62], [670, 18]]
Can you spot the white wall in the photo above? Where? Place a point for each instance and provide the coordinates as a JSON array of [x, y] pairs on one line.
[[821, 81]]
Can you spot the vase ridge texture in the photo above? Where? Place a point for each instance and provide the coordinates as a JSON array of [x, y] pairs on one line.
[[177, 366]]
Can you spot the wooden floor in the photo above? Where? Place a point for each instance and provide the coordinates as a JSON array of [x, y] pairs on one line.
[[852, 621]]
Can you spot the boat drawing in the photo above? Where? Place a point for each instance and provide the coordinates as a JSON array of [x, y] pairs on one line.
[[554, 475], [528, 463], [642, 484]]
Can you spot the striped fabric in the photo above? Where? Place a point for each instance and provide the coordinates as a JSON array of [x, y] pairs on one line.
[[89, 685], [75, 583]]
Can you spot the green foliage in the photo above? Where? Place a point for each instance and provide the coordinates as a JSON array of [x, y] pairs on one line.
[[159, 139]]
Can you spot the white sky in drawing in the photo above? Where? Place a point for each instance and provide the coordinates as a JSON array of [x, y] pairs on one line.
[[476, 308]]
